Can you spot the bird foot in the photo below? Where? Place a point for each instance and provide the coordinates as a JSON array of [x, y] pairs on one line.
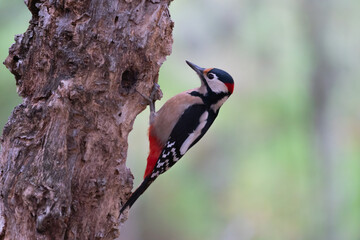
[[156, 94]]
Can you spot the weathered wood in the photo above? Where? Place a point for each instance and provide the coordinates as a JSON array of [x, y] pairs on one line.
[[63, 173]]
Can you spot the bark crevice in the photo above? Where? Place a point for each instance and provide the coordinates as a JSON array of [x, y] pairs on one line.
[[78, 65]]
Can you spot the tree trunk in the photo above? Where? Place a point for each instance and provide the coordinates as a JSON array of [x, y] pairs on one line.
[[78, 67]]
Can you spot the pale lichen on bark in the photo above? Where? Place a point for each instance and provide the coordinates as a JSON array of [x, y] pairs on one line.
[[63, 172]]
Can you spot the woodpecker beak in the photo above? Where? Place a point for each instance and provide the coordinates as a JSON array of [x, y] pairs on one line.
[[196, 68]]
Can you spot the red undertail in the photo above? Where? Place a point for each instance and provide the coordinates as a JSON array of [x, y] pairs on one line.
[[155, 150]]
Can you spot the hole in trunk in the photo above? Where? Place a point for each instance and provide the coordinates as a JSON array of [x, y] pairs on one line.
[[128, 79]]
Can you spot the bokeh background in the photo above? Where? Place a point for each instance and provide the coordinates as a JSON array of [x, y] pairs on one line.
[[282, 160]]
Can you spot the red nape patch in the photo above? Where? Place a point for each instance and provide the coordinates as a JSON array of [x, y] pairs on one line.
[[230, 87], [155, 150]]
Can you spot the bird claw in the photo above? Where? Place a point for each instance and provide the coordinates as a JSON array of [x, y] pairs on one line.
[[156, 94]]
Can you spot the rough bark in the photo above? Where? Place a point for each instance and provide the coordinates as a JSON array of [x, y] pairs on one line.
[[63, 173]]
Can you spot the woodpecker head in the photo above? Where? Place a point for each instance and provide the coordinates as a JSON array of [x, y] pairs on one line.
[[214, 80]]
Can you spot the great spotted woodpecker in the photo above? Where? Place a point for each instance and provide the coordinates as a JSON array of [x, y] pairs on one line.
[[181, 122]]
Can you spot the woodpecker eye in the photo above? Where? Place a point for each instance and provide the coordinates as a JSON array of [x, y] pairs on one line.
[[210, 75]]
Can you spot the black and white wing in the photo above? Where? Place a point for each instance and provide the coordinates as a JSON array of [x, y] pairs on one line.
[[190, 128]]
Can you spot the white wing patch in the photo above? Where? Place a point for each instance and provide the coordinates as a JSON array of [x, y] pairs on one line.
[[155, 174], [169, 145], [167, 159], [194, 135], [165, 155], [174, 154]]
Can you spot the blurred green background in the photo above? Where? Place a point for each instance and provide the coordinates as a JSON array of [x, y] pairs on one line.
[[282, 160]]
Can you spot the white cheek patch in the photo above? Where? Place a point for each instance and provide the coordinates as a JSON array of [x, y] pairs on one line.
[[194, 135], [217, 86]]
